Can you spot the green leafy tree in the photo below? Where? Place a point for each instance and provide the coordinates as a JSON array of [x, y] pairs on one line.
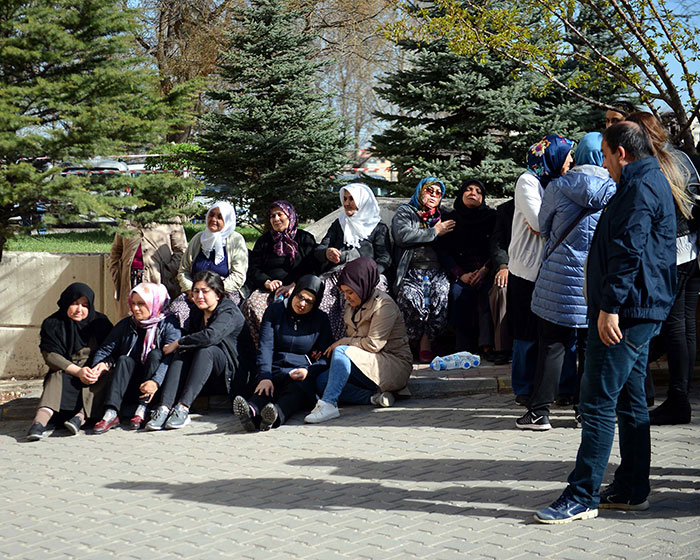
[[644, 38], [69, 89], [458, 117], [277, 138]]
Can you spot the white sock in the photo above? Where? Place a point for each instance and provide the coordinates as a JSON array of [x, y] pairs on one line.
[[141, 411], [110, 414]]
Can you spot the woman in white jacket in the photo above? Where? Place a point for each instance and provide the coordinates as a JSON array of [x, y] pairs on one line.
[[548, 159]]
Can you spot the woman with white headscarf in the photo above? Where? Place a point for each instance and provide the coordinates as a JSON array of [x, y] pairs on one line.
[[358, 232], [219, 248]]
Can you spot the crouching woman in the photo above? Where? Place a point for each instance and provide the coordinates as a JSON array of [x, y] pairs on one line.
[[69, 339], [293, 335], [374, 359], [133, 350], [217, 345]]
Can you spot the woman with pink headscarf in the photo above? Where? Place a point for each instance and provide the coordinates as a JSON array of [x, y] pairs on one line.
[[134, 351]]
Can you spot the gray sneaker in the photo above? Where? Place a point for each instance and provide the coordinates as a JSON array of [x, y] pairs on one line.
[[179, 417], [384, 399], [158, 418]]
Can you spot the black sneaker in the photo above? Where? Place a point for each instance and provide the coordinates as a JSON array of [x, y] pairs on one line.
[[241, 409], [532, 421], [269, 416], [611, 499], [73, 425], [522, 400], [36, 432], [564, 400]]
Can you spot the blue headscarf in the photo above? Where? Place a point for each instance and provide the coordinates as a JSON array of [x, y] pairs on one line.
[[432, 216], [546, 158], [589, 151]]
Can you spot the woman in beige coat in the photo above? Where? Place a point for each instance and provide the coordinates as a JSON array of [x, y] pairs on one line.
[[151, 254], [374, 358]]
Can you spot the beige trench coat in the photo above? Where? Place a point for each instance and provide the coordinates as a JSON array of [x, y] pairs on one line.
[[378, 342], [162, 246]]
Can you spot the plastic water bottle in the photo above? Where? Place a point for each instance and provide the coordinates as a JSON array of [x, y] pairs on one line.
[[438, 364], [457, 361], [474, 359], [425, 285]]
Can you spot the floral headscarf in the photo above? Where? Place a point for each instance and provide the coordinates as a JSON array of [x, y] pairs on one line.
[[215, 240], [284, 240], [429, 216], [361, 224], [546, 158], [156, 298]]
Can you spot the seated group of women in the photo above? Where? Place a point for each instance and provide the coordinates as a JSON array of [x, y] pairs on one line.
[[339, 336]]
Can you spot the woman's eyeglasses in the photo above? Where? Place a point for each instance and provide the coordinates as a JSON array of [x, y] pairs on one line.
[[306, 300], [433, 191]]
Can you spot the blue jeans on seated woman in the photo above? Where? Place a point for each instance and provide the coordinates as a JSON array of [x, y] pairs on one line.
[[344, 381]]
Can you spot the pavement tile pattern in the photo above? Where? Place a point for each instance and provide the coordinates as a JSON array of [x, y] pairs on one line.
[[429, 478]]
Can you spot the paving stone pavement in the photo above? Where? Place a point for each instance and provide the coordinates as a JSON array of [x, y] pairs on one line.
[[429, 478]]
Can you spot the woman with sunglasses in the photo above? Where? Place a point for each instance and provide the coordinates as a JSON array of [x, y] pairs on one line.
[[421, 287]]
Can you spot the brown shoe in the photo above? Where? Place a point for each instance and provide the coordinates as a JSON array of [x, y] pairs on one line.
[[102, 426]]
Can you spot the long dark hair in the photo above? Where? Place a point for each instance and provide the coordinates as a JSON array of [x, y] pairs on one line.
[[212, 280]]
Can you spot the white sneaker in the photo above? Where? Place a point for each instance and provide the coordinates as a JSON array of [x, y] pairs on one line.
[[384, 399], [322, 412]]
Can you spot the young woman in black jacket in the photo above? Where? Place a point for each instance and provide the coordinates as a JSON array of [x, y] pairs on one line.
[[293, 333], [218, 344]]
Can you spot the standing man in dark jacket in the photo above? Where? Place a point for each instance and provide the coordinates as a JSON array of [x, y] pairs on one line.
[[631, 283]]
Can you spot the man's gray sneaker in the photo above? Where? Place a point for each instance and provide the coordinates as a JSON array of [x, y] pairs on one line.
[[179, 417]]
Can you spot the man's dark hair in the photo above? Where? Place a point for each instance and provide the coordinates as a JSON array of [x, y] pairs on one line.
[[624, 107], [631, 137]]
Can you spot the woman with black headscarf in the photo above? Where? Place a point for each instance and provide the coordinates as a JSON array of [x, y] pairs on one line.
[[69, 339], [465, 254], [293, 333], [374, 358]]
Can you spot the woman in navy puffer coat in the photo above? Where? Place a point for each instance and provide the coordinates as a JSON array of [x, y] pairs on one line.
[[575, 198]]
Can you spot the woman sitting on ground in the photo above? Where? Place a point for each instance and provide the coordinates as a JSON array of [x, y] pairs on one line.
[[415, 227], [293, 334], [217, 345], [69, 338], [219, 248], [374, 358], [358, 232], [134, 351], [465, 254], [280, 256]]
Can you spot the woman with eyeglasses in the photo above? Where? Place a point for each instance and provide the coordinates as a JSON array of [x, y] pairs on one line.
[[293, 333], [422, 286]]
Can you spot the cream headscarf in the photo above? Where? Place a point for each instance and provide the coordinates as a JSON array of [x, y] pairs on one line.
[[360, 225], [215, 240]]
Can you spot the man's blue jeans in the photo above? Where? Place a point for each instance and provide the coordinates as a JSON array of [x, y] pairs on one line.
[[344, 381], [613, 385]]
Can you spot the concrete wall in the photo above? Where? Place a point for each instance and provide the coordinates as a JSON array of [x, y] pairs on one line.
[[30, 285]]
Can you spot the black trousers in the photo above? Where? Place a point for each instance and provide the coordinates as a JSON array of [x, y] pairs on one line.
[[288, 395], [189, 372], [522, 322], [553, 341], [128, 376]]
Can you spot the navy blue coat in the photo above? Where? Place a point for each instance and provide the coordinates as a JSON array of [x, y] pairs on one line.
[[286, 341], [123, 337], [558, 295], [632, 264]]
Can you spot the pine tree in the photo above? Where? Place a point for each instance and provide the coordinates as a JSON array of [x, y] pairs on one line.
[[459, 118], [69, 90], [277, 138]]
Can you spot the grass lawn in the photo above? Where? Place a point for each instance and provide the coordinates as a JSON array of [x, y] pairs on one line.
[[96, 240]]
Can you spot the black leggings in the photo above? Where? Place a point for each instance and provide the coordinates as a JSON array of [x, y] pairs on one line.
[[288, 395], [199, 365], [128, 376]]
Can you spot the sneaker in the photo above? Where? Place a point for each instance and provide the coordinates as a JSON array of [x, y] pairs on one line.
[[564, 510], [322, 412], [610, 499], [158, 418], [73, 425], [671, 412], [104, 425], [268, 416], [522, 400], [577, 419], [385, 399], [36, 432], [532, 421], [564, 400], [179, 417], [241, 410]]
